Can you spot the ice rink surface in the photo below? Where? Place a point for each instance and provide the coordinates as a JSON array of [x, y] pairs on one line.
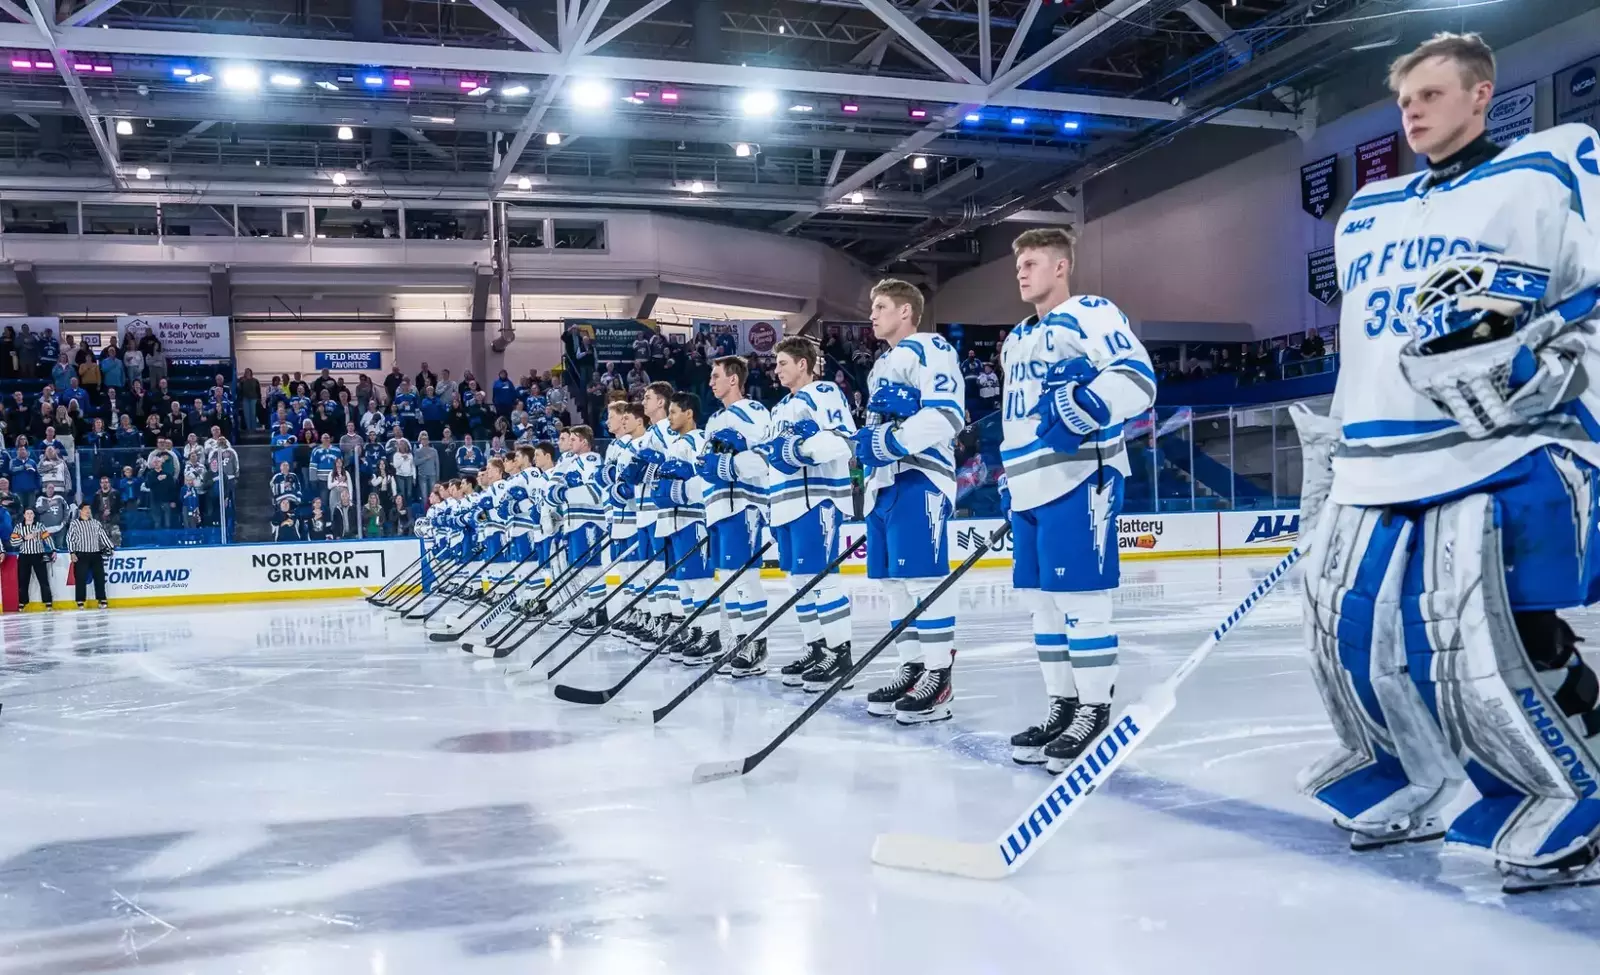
[[309, 788]]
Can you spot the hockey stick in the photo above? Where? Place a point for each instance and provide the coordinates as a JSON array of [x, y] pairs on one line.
[[383, 592], [568, 576], [434, 561], [620, 613], [578, 695], [439, 586], [496, 604], [472, 576], [551, 587], [711, 771], [1005, 856], [493, 614], [627, 712]]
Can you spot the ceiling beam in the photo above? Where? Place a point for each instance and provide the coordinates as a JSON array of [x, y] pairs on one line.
[[985, 51], [624, 25], [508, 21], [80, 98], [198, 129], [89, 13], [1075, 37], [312, 50], [1017, 37], [872, 53], [582, 26], [429, 146], [919, 39]]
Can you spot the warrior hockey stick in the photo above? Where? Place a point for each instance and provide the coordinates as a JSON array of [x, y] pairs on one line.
[[578, 695], [518, 615], [620, 613], [1005, 856], [475, 576], [627, 712], [383, 592], [395, 593], [710, 771], [498, 603]]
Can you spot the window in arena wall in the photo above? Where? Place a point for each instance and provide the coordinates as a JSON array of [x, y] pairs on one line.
[[120, 219], [39, 217]]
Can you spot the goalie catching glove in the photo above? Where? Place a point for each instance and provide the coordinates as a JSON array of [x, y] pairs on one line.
[[1486, 353]]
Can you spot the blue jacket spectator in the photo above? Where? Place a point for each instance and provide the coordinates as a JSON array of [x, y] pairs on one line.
[[469, 457], [49, 351], [126, 436], [112, 371], [24, 473], [60, 373], [405, 405], [505, 394], [371, 452], [128, 485], [432, 409], [283, 443], [323, 457]]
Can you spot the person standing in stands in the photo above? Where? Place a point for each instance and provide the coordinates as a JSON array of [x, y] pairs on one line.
[[155, 359], [427, 464], [162, 480], [285, 525], [469, 458], [250, 401], [31, 541], [90, 545], [25, 476]]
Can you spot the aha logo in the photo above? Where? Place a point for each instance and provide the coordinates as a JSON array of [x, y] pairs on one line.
[[1582, 82], [1510, 107], [763, 337], [1270, 527], [1357, 226]]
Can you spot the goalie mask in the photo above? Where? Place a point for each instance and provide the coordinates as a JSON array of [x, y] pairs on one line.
[[1474, 299]]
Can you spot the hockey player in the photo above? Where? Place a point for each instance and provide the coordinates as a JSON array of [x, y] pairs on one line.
[[625, 422], [736, 504], [681, 494], [652, 447], [809, 455], [909, 453], [575, 490], [1074, 373], [1451, 498]]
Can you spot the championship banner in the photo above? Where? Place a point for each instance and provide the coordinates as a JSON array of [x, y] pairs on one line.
[[1577, 91], [611, 338], [1319, 184], [1511, 114], [183, 337], [1378, 160], [739, 336], [1322, 275]]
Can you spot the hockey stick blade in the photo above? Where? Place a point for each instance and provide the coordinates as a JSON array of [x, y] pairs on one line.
[[1078, 781], [712, 771], [580, 695]]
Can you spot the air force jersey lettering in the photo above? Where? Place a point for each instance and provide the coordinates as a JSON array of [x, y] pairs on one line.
[[929, 364], [1084, 326], [1536, 203], [624, 516]]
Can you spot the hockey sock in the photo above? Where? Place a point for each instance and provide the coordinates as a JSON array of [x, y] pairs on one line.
[[1091, 643], [936, 624], [906, 645], [805, 612], [833, 613], [1050, 643], [752, 599]]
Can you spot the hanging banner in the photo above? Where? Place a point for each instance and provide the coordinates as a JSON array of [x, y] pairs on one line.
[[1577, 91], [1378, 160], [1319, 184], [740, 337], [193, 337], [612, 339], [1322, 275], [1511, 115]]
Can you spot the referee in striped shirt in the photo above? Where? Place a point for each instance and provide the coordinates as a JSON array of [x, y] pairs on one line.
[[89, 544]]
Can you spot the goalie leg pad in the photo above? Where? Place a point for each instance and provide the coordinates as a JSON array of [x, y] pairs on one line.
[[1500, 701], [1391, 770]]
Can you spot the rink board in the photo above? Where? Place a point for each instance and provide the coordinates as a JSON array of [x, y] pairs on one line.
[[237, 573], [322, 570]]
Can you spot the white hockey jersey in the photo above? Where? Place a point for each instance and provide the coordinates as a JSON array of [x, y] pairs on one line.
[[828, 479], [1081, 326], [676, 517], [585, 503], [754, 423], [656, 437], [1536, 203], [929, 364], [624, 517]]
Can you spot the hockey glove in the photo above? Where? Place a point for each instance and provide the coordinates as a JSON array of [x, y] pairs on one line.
[[650, 455], [895, 401], [1003, 485], [784, 454], [557, 494], [1068, 410], [622, 492], [876, 447], [677, 467], [730, 440], [573, 478], [805, 429], [634, 472], [717, 468]]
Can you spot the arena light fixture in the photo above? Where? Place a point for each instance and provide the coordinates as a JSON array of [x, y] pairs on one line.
[[285, 80], [346, 133], [858, 197], [480, 90], [849, 108], [241, 77], [372, 80], [514, 91], [590, 93], [917, 112], [1071, 125], [339, 179], [141, 173], [697, 187], [973, 117], [327, 86], [178, 72], [802, 107], [124, 127], [524, 183], [757, 103], [1019, 120], [400, 82], [669, 96], [552, 138], [197, 79], [741, 149], [919, 162]]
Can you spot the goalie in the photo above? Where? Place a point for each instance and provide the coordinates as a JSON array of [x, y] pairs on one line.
[[1451, 498]]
